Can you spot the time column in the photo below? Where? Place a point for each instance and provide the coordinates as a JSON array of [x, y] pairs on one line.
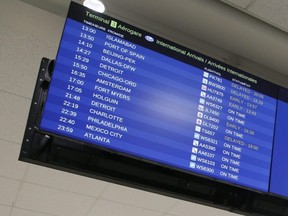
[[75, 53]]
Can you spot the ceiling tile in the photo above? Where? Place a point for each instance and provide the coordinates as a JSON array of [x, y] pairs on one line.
[[184, 208], [64, 181], [8, 190], [109, 208], [51, 6], [5, 210], [240, 3], [272, 11], [34, 22], [13, 115], [138, 198], [9, 165], [21, 67], [50, 201], [22, 212]]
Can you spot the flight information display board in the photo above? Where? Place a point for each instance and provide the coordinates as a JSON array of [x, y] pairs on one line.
[[121, 88]]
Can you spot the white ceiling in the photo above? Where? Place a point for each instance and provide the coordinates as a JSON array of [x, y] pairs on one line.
[[273, 12], [46, 192]]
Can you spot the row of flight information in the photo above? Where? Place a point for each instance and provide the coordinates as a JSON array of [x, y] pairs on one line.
[[119, 87]]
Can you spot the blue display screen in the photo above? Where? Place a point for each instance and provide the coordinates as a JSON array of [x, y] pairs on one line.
[[279, 175], [121, 88]]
